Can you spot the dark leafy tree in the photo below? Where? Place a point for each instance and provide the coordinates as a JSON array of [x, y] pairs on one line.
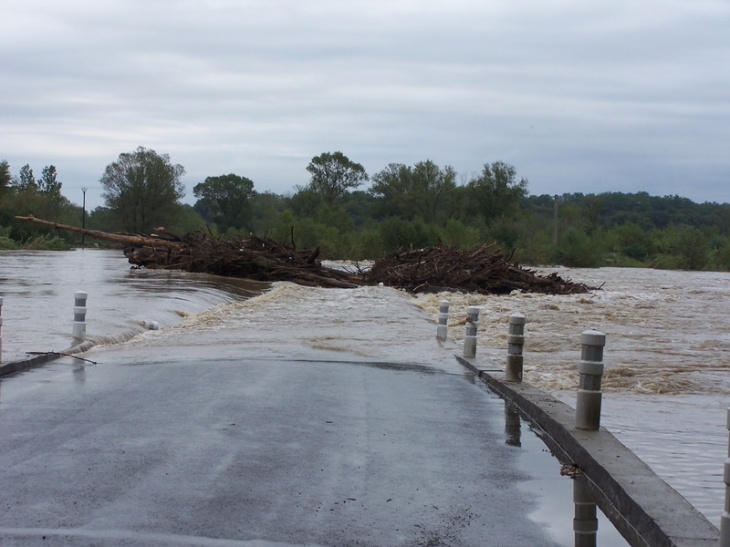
[[49, 183], [143, 189], [497, 192], [226, 199], [393, 189], [6, 179], [592, 213], [49, 188], [26, 179], [424, 190], [267, 209], [333, 174], [433, 186], [359, 206], [24, 195]]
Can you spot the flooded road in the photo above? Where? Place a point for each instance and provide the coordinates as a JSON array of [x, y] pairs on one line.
[[667, 362], [269, 451]]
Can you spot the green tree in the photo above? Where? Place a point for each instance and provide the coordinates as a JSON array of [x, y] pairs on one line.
[[333, 174], [425, 191], [227, 199], [393, 189], [457, 234], [143, 189], [186, 220], [497, 192], [6, 179], [267, 208], [433, 186], [396, 232], [592, 213], [680, 247], [49, 188], [577, 250], [49, 183], [42, 199], [26, 178]]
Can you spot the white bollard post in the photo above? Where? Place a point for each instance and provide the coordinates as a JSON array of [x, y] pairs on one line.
[[472, 325], [1, 329], [512, 425], [442, 329], [585, 523], [588, 402], [515, 343], [725, 518], [79, 329]]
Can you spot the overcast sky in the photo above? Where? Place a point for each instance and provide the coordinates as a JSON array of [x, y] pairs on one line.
[[579, 95]]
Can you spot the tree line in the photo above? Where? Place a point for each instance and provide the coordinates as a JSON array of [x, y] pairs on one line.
[[405, 206]]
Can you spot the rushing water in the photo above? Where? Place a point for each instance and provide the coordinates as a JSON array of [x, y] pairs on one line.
[[667, 362], [38, 291]]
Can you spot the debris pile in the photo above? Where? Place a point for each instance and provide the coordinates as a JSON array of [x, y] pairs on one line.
[[256, 258], [261, 259], [483, 270], [432, 269]]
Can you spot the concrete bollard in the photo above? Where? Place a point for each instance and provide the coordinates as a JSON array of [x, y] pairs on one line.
[[515, 343], [472, 325], [588, 403], [442, 329], [585, 523], [512, 425], [79, 329], [725, 518], [1, 329]]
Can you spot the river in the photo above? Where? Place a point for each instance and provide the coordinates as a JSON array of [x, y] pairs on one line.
[[668, 335], [38, 291], [667, 362]]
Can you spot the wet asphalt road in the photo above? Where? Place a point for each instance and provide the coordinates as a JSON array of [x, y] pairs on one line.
[[257, 453]]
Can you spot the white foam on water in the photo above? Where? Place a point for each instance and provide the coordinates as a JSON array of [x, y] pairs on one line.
[[660, 339], [291, 321]]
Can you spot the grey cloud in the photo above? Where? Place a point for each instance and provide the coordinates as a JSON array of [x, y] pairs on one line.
[[579, 96]]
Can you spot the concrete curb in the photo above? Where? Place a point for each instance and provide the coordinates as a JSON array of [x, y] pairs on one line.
[[42, 359], [642, 507]]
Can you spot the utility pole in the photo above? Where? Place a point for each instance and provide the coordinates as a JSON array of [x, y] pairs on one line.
[[555, 221], [83, 216]]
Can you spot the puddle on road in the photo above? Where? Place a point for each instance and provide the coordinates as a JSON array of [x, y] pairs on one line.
[[553, 493]]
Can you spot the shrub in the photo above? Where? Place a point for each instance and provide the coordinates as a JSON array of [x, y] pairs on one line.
[[577, 250]]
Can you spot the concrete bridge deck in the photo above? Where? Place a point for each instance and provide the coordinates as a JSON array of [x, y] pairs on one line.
[[112, 453]]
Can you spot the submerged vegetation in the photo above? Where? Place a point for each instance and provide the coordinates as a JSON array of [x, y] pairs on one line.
[[404, 206]]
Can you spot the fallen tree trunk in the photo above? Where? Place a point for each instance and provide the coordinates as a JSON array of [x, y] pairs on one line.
[[253, 258], [126, 239]]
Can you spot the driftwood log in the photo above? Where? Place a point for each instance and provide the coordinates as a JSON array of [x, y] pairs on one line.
[[432, 269]]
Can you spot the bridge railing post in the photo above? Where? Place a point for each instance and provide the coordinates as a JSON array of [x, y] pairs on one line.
[[515, 343], [585, 523], [79, 327], [472, 326], [588, 402], [443, 327], [725, 518], [1, 329]]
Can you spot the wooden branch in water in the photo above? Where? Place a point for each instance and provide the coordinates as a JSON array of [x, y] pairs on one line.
[[126, 239]]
